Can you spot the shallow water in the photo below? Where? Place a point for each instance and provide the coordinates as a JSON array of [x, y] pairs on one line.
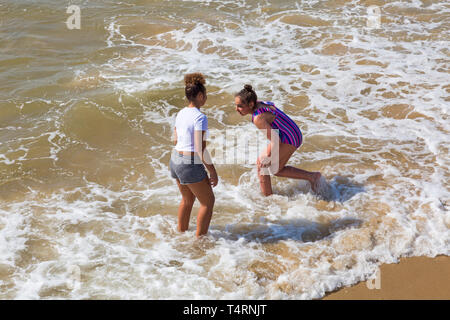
[[87, 205]]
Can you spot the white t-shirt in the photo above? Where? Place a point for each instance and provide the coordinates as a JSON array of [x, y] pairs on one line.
[[189, 120]]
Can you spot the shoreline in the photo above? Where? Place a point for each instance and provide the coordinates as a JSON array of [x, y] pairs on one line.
[[412, 278]]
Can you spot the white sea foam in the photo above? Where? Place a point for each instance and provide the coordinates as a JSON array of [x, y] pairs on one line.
[[292, 245]]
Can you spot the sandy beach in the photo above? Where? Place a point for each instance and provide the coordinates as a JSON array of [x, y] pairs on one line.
[[412, 278]]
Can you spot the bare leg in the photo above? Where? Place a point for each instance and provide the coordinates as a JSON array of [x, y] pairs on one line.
[[295, 173], [205, 195], [264, 182], [185, 208], [285, 153]]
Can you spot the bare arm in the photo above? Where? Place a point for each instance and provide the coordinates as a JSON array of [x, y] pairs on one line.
[[200, 148], [175, 137], [263, 122]]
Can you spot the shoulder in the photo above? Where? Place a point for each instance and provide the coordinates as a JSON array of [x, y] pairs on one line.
[[200, 121], [264, 109], [268, 105], [200, 115], [261, 120], [182, 112], [264, 106], [191, 113]]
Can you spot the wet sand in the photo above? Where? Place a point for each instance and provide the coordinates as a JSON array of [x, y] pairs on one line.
[[412, 278]]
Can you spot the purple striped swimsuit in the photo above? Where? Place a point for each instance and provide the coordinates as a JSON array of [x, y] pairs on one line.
[[287, 129]]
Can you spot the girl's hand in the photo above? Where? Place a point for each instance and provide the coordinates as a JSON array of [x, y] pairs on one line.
[[213, 179], [264, 162]]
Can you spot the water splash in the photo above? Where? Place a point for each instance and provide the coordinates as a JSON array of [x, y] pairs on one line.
[[325, 191], [338, 189]]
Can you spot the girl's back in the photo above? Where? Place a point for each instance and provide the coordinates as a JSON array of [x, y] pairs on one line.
[[187, 121]]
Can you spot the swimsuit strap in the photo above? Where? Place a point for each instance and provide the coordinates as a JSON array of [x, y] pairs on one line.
[[287, 128], [264, 109]]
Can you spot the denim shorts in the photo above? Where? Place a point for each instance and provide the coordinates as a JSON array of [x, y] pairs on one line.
[[187, 169]]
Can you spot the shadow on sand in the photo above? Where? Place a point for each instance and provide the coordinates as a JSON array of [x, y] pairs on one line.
[[339, 189], [297, 229]]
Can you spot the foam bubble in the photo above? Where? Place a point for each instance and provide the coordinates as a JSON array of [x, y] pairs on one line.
[[374, 118]]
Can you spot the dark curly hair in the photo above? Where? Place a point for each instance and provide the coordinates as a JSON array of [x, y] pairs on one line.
[[195, 83]]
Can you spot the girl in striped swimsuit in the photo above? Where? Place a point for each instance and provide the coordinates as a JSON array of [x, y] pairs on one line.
[[266, 116]]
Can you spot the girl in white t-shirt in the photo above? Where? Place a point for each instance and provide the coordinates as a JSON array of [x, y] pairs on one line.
[[190, 157]]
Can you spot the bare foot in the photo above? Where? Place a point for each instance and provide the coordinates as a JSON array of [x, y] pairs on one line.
[[315, 181]]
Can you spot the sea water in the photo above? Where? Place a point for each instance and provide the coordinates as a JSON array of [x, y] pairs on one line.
[[87, 205]]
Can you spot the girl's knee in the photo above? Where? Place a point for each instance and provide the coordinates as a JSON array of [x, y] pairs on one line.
[[189, 202], [209, 203]]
